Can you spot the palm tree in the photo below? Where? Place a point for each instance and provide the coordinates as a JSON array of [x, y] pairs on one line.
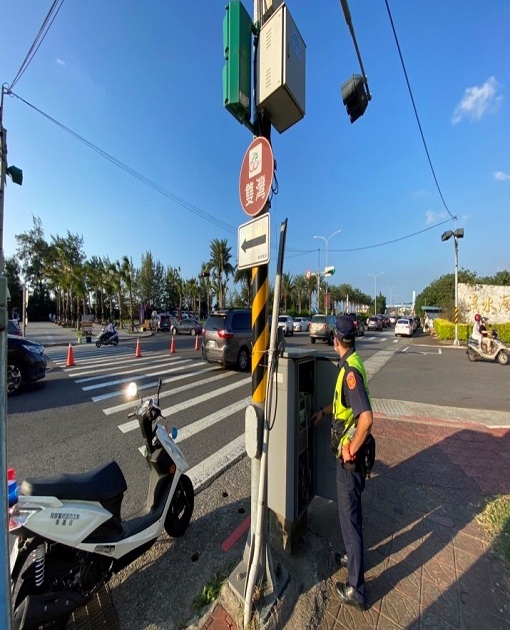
[[244, 276], [127, 272], [300, 291], [220, 262]]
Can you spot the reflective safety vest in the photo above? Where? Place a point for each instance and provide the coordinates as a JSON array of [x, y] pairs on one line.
[[343, 417]]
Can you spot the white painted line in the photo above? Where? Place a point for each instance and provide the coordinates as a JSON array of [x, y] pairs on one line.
[[153, 384], [211, 468], [129, 405], [173, 411], [129, 370], [167, 370], [204, 423]]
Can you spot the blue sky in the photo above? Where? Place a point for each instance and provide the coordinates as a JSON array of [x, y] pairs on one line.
[[143, 82]]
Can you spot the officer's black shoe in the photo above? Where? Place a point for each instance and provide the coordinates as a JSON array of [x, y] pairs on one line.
[[341, 558], [349, 596]]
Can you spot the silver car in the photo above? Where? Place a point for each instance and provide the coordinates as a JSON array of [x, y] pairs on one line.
[[227, 338], [322, 327]]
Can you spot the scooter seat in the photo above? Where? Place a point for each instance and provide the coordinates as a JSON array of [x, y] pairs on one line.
[[101, 484]]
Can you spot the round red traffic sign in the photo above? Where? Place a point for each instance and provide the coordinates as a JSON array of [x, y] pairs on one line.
[[256, 176], [308, 274]]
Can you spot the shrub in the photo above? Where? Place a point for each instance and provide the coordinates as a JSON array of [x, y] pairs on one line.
[[445, 330]]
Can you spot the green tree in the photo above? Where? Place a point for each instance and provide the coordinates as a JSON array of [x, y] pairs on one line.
[[219, 262], [12, 272]]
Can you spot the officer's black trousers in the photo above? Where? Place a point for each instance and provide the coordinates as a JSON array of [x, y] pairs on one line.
[[349, 486]]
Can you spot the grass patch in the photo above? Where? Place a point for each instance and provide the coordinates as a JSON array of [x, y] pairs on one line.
[[210, 591], [495, 519]]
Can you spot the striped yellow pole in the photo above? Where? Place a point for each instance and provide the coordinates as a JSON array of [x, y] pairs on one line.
[[260, 336]]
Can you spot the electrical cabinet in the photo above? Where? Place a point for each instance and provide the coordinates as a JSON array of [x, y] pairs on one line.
[[291, 453], [281, 60]]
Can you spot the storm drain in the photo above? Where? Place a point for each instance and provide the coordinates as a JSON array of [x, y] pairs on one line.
[[97, 614]]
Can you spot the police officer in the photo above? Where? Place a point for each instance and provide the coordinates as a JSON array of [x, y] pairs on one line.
[[350, 428]]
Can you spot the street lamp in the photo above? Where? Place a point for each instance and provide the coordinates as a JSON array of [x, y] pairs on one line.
[[326, 240], [374, 276], [458, 233]]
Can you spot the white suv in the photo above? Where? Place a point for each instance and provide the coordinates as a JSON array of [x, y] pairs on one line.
[[286, 323]]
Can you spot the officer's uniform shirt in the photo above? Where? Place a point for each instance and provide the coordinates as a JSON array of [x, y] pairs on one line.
[[354, 394]]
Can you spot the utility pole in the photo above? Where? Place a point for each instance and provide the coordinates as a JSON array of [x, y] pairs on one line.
[[17, 177]]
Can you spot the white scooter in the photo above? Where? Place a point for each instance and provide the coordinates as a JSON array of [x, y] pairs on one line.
[[107, 338], [70, 537], [500, 352]]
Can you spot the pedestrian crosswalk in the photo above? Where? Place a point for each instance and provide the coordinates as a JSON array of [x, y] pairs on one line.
[[192, 386]]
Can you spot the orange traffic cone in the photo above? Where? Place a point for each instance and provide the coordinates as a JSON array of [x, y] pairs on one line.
[[70, 356], [138, 351], [197, 347], [172, 345]]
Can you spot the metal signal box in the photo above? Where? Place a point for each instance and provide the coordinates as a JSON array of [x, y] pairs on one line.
[[237, 30], [281, 59]]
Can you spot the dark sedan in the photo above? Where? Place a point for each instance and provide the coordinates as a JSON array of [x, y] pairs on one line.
[[187, 326], [26, 363]]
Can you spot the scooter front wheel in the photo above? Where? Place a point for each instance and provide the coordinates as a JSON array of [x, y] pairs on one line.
[[503, 358], [181, 508], [98, 344]]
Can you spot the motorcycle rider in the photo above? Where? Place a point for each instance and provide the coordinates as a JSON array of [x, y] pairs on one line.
[[486, 344], [110, 329], [476, 334]]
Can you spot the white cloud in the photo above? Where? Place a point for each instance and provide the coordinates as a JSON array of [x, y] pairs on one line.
[[478, 100], [61, 62], [432, 217], [501, 176]]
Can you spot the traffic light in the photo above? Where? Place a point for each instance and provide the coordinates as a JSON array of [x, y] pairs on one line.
[[329, 271], [237, 30], [355, 96]]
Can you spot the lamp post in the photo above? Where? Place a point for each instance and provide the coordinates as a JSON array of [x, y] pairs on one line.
[[374, 276], [326, 240], [458, 233]]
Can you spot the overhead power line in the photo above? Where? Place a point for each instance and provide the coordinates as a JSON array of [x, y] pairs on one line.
[[190, 207], [43, 31], [416, 111]]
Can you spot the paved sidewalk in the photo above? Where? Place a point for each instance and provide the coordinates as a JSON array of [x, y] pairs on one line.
[[428, 561]]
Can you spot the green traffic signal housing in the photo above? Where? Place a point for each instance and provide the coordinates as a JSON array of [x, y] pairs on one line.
[[355, 96], [237, 44]]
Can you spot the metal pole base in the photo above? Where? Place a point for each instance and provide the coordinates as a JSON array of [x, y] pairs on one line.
[[273, 585]]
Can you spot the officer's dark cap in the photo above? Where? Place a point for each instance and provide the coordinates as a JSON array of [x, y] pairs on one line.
[[344, 328]]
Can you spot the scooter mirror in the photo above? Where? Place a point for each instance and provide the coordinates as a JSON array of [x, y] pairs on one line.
[[132, 390]]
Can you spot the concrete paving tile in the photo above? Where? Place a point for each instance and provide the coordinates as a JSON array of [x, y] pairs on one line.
[[444, 575], [439, 602], [464, 542], [376, 562], [400, 609], [430, 621], [464, 561], [349, 617]]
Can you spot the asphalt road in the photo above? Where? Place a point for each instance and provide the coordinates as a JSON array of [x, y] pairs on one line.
[[76, 419]]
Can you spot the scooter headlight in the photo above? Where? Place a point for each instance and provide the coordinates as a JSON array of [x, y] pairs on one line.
[[18, 515]]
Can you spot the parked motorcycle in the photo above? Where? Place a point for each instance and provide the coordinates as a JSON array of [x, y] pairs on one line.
[[107, 338], [500, 352], [70, 537]]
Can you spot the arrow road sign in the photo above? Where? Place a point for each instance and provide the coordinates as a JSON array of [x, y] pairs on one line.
[[253, 242]]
